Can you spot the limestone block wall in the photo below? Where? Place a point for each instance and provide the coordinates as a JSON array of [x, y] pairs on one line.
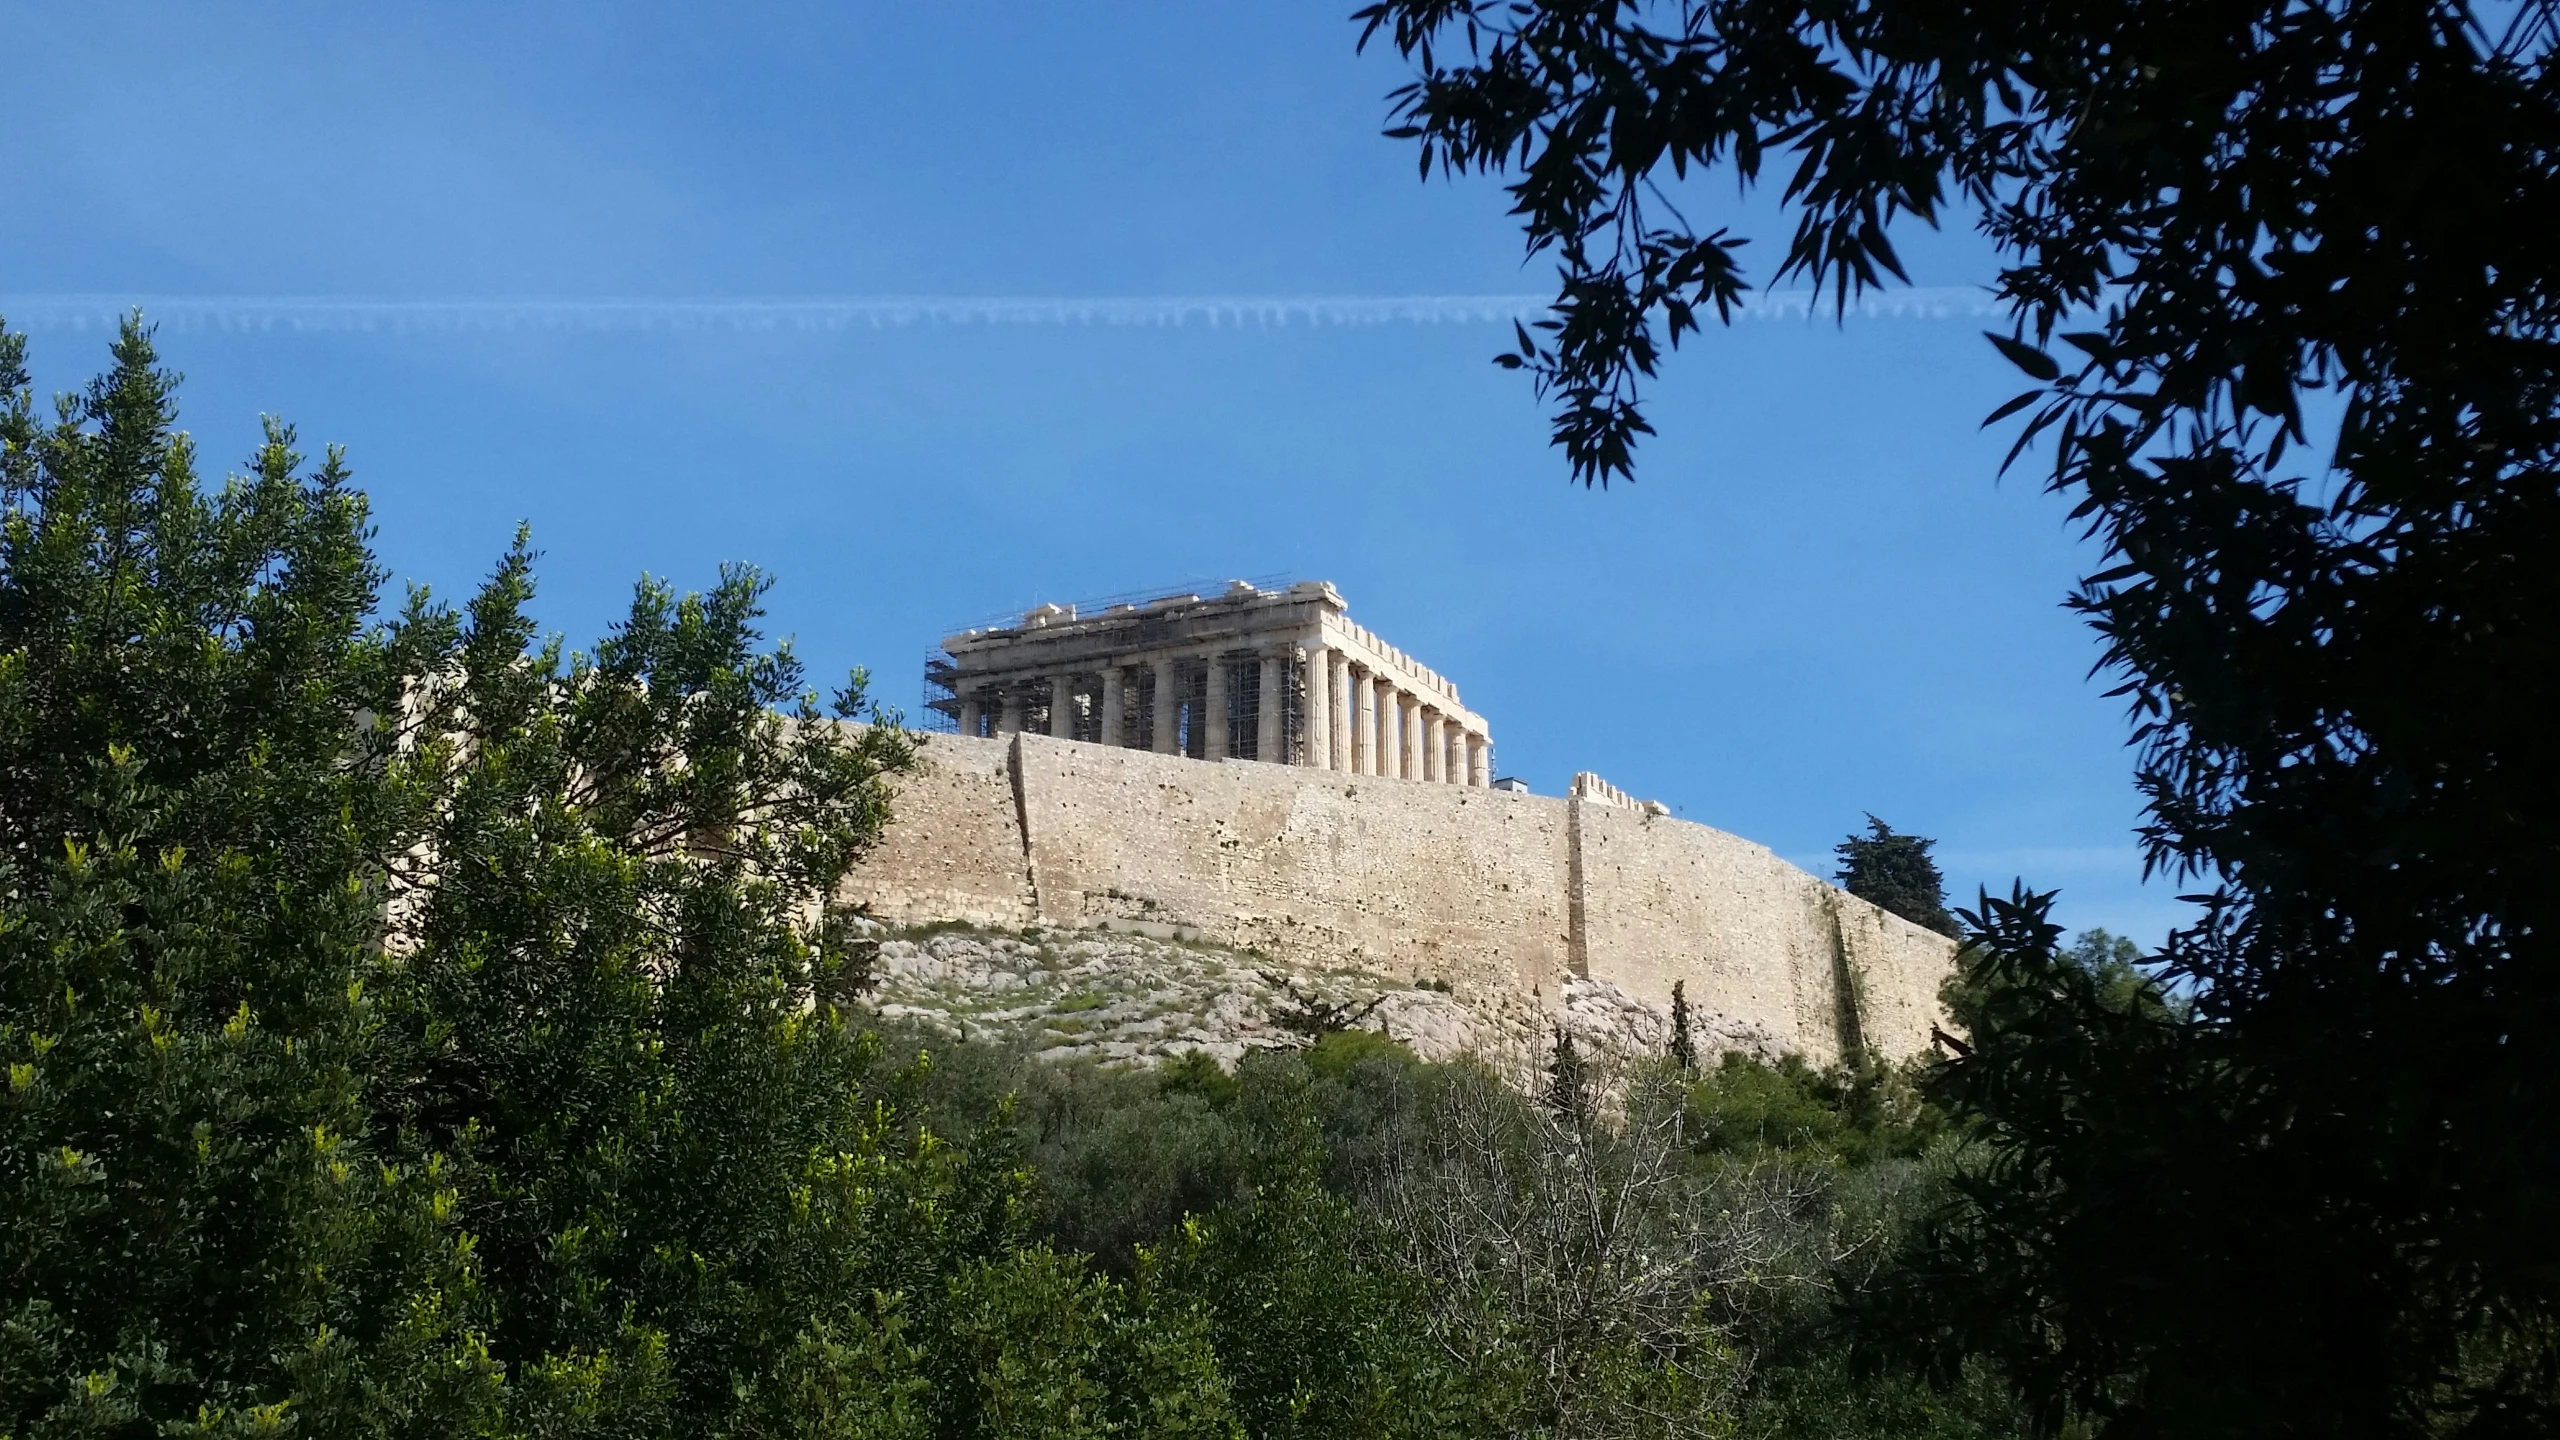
[[1409, 879], [1665, 900], [1486, 890], [1898, 967], [1755, 937], [954, 849]]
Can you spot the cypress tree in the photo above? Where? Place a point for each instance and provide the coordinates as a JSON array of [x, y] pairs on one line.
[[1684, 1049], [1567, 1077], [1895, 872]]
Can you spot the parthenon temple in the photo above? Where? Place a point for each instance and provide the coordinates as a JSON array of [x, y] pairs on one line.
[[1276, 675]]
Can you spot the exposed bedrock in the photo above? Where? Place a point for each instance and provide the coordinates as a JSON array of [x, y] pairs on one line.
[[1524, 906]]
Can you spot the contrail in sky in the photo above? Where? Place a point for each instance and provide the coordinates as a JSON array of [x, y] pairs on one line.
[[257, 314]]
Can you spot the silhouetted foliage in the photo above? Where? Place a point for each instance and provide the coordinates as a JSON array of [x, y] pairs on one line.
[[1895, 872], [2313, 1194]]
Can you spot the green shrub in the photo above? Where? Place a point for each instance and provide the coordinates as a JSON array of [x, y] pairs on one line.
[[1855, 1113]]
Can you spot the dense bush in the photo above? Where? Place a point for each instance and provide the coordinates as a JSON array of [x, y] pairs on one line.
[[206, 1221], [1771, 1191], [412, 1030]]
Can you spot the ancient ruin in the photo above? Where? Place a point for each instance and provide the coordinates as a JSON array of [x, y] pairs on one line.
[[1283, 676], [1072, 799]]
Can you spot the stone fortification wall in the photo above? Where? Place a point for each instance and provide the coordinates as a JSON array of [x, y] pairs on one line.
[[1411, 880], [954, 850], [1665, 900], [1755, 937], [1897, 968], [1499, 895]]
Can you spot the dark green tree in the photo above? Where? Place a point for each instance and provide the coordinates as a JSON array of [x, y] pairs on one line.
[[201, 1222], [1684, 1046], [2284, 290], [618, 994], [1895, 872], [1318, 1332], [1568, 1079], [2116, 963]]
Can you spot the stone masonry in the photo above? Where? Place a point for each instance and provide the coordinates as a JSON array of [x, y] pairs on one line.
[[1505, 898]]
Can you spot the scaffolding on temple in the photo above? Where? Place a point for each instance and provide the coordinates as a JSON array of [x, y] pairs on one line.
[[940, 714]]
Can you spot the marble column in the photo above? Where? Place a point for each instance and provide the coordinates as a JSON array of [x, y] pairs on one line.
[[1009, 717], [1364, 718], [1435, 748], [1337, 704], [1266, 702], [1322, 700], [1390, 734], [1213, 742], [1385, 755], [1167, 711], [1453, 766], [1346, 750], [1114, 706], [972, 715], [1409, 711], [1062, 707], [1391, 727], [1479, 761]]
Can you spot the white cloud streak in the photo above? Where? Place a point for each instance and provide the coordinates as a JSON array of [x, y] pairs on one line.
[[2056, 860], [250, 314], [2037, 864]]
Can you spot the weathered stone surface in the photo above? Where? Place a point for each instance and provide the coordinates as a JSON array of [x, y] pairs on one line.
[[955, 849], [1524, 905], [1663, 900], [1409, 878], [1102, 995]]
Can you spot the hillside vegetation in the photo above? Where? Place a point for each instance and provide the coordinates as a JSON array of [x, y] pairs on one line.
[[413, 1027], [1097, 994]]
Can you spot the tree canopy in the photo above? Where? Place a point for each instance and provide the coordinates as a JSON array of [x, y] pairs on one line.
[[2283, 290], [1896, 872], [414, 1029]]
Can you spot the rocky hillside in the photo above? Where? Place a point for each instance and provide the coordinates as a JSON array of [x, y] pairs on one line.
[[1112, 996]]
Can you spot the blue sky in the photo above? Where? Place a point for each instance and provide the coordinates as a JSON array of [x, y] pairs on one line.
[[1815, 602]]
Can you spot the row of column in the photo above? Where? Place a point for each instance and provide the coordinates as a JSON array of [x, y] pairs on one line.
[[1359, 721], [1362, 723], [1113, 701]]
